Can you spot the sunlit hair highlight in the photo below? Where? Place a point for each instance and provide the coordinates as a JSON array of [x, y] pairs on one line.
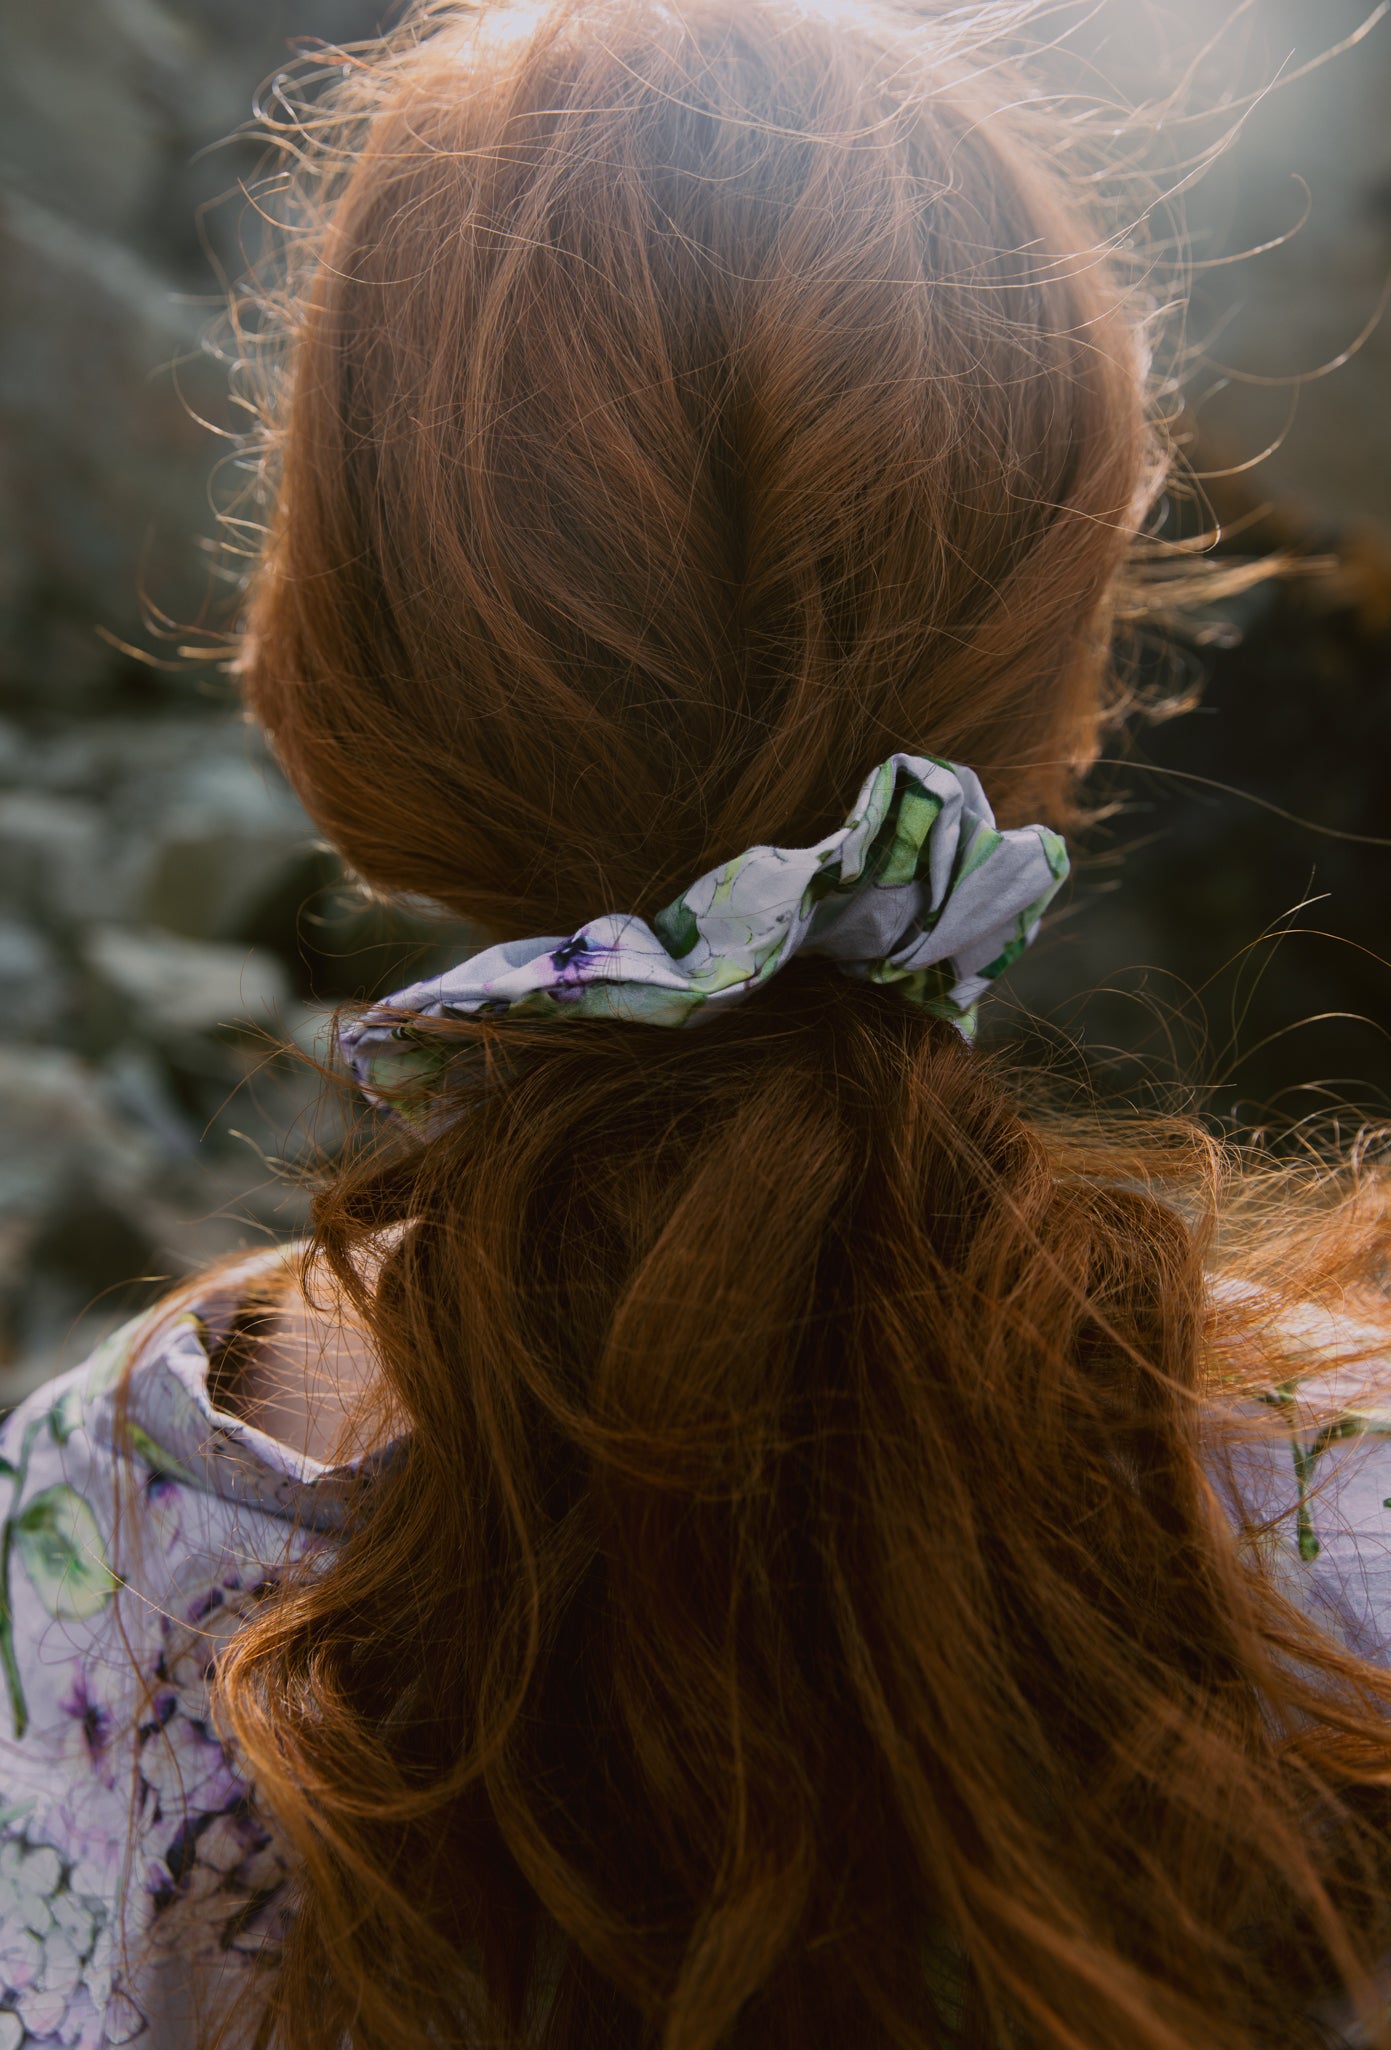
[[799, 1613]]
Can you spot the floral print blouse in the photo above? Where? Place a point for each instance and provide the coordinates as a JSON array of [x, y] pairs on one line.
[[139, 1885]]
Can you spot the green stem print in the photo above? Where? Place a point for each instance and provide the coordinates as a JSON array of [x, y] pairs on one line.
[[59, 1545], [19, 1714], [1305, 1459]]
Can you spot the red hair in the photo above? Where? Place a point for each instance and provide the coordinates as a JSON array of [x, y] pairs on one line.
[[799, 1615]]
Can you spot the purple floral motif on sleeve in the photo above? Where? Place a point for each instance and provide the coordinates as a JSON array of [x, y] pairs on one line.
[[134, 1539]]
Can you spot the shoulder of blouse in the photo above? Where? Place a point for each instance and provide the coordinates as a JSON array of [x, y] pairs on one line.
[[1302, 1468], [140, 1522]]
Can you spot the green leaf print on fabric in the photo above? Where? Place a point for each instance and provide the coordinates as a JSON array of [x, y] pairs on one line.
[[56, 1534], [825, 883], [677, 928], [156, 1458], [60, 1546], [1055, 853], [1305, 1456], [909, 825], [930, 988], [17, 1471], [1012, 951], [109, 1361], [986, 840], [65, 1417]]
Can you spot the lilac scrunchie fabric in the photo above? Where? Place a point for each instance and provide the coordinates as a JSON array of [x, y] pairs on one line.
[[919, 887]]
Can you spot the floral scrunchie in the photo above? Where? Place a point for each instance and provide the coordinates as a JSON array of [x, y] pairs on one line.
[[919, 887]]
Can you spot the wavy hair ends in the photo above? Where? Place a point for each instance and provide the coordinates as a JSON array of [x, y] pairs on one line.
[[798, 1615]]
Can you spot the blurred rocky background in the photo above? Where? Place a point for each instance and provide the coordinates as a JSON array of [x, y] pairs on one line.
[[167, 920], [1230, 931]]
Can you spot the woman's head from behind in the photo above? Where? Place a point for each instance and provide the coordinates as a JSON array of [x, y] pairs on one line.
[[689, 406], [792, 1612]]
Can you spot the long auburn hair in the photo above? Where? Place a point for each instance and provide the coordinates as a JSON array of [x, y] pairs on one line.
[[799, 1613]]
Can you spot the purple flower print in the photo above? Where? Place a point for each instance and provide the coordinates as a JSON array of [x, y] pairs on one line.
[[94, 1723]]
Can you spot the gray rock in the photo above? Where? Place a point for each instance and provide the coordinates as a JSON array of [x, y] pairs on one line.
[[51, 858], [96, 452], [55, 1131], [109, 114], [177, 986], [15, 753], [102, 757], [73, 1181], [209, 841], [35, 987], [186, 826], [135, 1085], [106, 1196]]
